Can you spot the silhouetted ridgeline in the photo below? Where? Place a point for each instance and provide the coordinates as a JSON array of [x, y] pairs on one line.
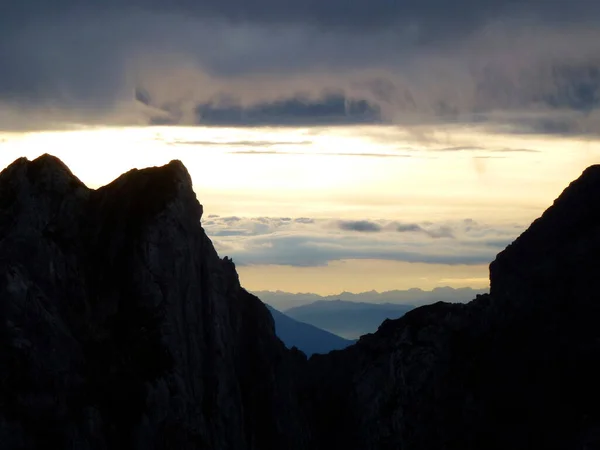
[[121, 328]]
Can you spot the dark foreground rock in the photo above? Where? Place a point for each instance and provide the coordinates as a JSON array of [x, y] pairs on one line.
[[121, 328], [516, 369]]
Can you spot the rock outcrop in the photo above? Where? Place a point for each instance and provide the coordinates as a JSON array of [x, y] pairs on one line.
[[516, 369], [120, 327]]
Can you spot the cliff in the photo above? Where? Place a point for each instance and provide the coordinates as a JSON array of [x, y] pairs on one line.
[[516, 369], [120, 327]]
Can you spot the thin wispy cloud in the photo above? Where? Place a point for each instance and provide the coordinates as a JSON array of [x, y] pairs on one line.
[[487, 149], [461, 149], [242, 143], [367, 155], [516, 150]]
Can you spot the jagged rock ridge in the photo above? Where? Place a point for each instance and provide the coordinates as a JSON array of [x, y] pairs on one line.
[[514, 369], [120, 327]]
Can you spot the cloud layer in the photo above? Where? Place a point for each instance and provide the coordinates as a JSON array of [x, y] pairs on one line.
[[525, 66], [316, 242]]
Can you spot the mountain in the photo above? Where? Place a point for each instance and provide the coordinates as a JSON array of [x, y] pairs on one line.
[[305, 337], [516, 368], [347, 319], [121, 328], [284, 301]]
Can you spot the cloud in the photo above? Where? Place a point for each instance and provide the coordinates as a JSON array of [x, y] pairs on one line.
[[461, 149], [314, 242], [484, 149], [506, 65], [364, 155], [242, 143], [230, 219], [297, 110], [302, 250], [363, 226], [516, 150], [440, 232], [429, 17], [403, 228]]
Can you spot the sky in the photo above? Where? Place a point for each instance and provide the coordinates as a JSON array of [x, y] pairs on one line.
[[335, 145]]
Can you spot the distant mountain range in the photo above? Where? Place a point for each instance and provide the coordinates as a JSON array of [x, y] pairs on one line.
[[305, 337], [352, 315], [284, 301], [347, 319]]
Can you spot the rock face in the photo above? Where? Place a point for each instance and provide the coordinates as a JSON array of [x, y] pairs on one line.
[[121, 328], [516, 369]]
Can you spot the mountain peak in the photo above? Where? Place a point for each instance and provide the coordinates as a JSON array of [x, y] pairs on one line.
[[118, 293], [150, 190], [171, 175], [45, 172], [562, 243]]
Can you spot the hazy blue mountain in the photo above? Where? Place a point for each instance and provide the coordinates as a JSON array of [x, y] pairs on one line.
[[285, 300], [305, 337], [347, 319]]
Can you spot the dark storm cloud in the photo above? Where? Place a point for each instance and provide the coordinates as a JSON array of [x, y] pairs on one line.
[[507, 64], [443, 15], [296, 111]]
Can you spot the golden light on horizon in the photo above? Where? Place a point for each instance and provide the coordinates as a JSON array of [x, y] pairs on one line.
[[361, 276], [338, 173]]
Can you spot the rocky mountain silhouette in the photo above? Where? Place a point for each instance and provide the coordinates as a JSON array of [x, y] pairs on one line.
[[284, 301], [121, 328]]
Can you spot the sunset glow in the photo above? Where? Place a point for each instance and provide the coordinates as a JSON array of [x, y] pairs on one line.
[[336, 174]]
